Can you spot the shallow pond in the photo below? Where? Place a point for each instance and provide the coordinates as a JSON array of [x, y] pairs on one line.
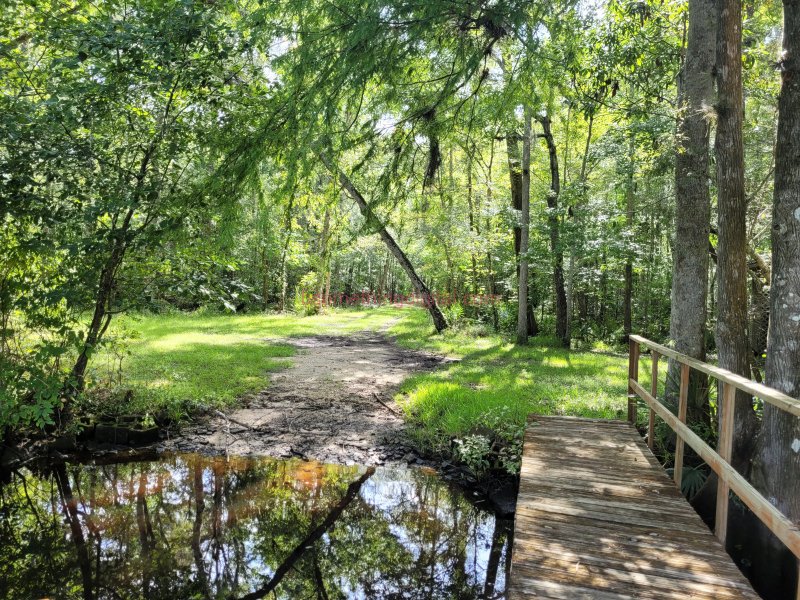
[[191, 526]]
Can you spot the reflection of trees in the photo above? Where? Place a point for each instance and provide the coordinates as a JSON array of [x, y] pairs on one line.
[[70, 508], [299, 551], [221, 528]]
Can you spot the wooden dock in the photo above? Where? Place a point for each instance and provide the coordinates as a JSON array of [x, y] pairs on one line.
[[598, 517]]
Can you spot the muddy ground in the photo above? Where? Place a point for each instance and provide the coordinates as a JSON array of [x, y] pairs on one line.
[[334, 404]]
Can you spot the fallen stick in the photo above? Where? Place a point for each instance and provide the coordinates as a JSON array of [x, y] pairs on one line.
[[386, 406], [227, 418]]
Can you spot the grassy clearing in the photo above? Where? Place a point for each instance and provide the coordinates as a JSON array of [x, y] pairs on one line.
[[177, 362], [494, 373]]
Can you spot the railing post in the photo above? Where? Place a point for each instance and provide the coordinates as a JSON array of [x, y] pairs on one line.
[[651, 421], [683, 403], [633, 373], [726, 413]]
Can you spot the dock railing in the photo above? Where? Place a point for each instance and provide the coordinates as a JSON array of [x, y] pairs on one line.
[[719, 460]]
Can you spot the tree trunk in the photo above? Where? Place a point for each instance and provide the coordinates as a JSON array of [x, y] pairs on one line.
[[758, 324], [731, 330], [522, 304], [101, 317], [287, 227], [439, 321], [323, 259], [474, 226], [562, 333], [692, 204], [627, 312], [490, 280], [777, 472], [515, 178]]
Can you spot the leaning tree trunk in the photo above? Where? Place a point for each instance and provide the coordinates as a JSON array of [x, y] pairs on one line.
[[562, 333], [731, 331], [525, 218], [777, 469], [439, 321], [101, 315], [693, 204]]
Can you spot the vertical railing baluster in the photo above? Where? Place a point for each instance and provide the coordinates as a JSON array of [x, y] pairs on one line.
[[683, 403], [651, 421], [726, 408], [633, 373]]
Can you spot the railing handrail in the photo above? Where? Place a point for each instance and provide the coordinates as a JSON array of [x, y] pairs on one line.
[[729, 479], [766, 393]]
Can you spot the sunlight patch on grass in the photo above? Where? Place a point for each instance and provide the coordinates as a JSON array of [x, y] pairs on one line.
[[495, 373], [175, 363]]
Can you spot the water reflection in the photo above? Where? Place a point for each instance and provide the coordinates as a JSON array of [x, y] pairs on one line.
[[189, 526]]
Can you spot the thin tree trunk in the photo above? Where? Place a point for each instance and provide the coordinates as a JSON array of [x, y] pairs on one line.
[[490, 280], [575, 262], [323, 258], [474, 226], [692, 203], [522, 304], [515, 179], [731, 330], [287, 227], [439, 321], [627, 309], [101, 317], [264, 279], [777, 471], [562, 333]]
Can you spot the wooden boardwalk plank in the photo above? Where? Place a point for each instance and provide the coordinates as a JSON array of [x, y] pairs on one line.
[[597, 517]]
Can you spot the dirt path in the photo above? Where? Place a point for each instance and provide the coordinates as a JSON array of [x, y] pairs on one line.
[[324, 407]]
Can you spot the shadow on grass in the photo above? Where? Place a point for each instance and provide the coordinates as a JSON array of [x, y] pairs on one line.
[[494, 373]]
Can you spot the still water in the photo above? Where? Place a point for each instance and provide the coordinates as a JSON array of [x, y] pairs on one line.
[[191, 526]]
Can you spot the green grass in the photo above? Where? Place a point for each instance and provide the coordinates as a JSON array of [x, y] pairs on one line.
[[494, 373], [176, 363]]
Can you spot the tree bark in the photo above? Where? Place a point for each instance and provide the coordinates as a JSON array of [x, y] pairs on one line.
[[562, 333], [627, 312], [287, 228], [777, 471], [731, 330], [101, 317], [474, 225], [439, 321], [522, 304], [692, 203], [323, 259], [515, 179]]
